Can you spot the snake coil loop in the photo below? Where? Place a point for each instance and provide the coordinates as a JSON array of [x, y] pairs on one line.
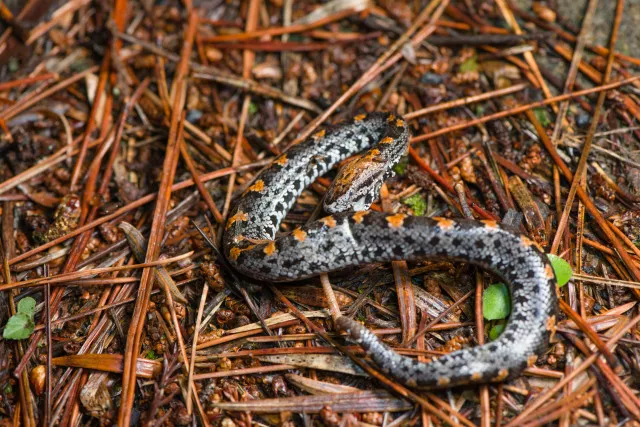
[[354, 236]]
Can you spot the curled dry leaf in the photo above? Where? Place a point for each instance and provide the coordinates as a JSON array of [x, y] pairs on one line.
[[325, 362], [139, 248], [95, 396], [318, 387], [533, 216]]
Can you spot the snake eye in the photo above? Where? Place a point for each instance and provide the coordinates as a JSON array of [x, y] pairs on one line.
[[363, 203], [368, 199]]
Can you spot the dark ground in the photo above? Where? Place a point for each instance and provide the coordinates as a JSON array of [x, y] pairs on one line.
[[573, 12]]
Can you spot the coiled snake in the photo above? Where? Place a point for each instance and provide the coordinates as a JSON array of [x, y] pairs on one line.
[[354, 236]]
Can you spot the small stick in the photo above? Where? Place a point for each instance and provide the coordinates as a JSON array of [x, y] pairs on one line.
[[334, 307]]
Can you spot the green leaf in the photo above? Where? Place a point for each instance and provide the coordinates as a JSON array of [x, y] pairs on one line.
[[13, 64], [19, 327], [561, 268], [401, 167], [253, 108], [470, 64], [542, 116], [496, 303], [151, 355], [417, 203], [495, 331], [27, 305]]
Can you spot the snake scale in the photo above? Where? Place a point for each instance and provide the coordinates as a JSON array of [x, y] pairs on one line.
[[353, 235]]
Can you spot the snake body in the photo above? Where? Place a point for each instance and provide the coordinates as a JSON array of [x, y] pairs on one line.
[[353, 236]]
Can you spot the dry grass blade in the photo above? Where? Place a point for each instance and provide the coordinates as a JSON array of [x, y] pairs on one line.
[[319, 387], [157, 228], [365, 401], [138, 247], [331, 363], [145, 368]]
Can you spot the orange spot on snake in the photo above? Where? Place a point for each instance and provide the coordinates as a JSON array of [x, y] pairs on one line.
[[443, 381], [299, 235], [239, 216], [318, 135], [400, 123], [258, 186], [489, 223], [329, 221], [548, 271], [502, 374], [444, 223], [270, 249], [411, 382], [282, 160], [551, 327], [234, 253], [391, 118], [386, 140], [396, 221], [527, 241], [358, 217], [476, 376], [359, 117]]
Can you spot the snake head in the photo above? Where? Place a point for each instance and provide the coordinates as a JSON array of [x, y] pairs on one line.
[[357, 184]]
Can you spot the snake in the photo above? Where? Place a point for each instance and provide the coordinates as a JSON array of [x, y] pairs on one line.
[[353, 235]]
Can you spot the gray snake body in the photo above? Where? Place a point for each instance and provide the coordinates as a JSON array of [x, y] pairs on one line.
[[353, 236]]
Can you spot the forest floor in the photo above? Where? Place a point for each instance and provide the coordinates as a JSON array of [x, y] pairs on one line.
[[129, 128]]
